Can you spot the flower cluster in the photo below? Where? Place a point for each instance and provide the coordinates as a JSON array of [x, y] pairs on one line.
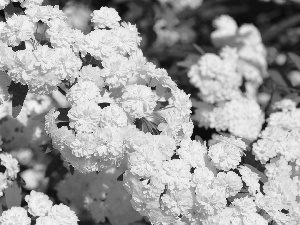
[[252, 64], [226, 106], [125, 95], [40, 207], [180, 5], [127, 120], [11, 170]]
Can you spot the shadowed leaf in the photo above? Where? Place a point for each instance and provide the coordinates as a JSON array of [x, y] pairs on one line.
[[13, 196]]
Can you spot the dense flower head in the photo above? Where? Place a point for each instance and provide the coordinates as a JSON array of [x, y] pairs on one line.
[[16, 29], [46, 220], [277, 140], [242, 117], [63, 214], [232, 182], [180, 5], [138, 101], [251, 179], [216, 77], [15, 216], [11, 165], [247, 39], [227, 154], [38, 203], [105, 17]]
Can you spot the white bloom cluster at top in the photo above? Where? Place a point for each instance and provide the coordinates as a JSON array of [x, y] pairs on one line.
[[11, 170], [180, 5], [219, 80], [252, 64], [110, 102], [40, 207]]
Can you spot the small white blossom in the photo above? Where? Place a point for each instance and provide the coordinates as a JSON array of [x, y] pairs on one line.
[[38, 203], [15, 216], [105, 17]]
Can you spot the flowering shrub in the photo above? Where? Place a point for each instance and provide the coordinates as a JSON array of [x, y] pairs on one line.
[[119, 130]]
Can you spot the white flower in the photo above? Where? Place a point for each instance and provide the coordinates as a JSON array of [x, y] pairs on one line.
[[85, 116], [46, 220], [15, 216], [217, 77], [242, 117], [113, 116], [3, 183], [84, 91], [38, 203], [227, 154], [251, 179], [11, 164], [231, 181], [138, 100], [18, 28], [44, 13], [278, 167], [3, 3], [60, 33], [105, 17], [31, 3], [285, 105], [63, 214]]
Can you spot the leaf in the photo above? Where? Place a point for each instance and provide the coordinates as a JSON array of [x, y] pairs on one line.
[[20, 181], [263, 178], [190, 60], [199, 49], [72, 169], [54, 165], [18, 92], [295, 58], [9, 10], [40, 117], [278, 79], [13, 196], [63, 114], [120, 178]]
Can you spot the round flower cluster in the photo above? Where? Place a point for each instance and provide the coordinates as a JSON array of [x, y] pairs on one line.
[[11, 170], [227, 153], [216, 77], [281, 136], [187, 188], [224, 106], [252, 64], [180, 5], [120, 96], [241, 117], [41, 207]]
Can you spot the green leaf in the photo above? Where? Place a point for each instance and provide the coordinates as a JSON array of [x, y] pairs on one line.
[[295, 58], [9, 10], [18, 92], [72, 169], [190, 60], [13, 195], [263, 178]]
